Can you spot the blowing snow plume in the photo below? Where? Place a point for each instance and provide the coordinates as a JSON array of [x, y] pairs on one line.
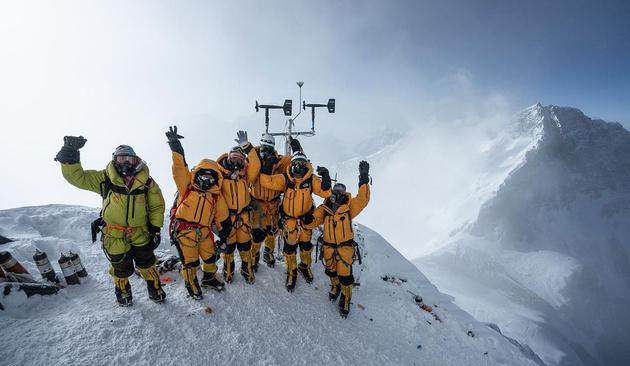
[[547, 257]]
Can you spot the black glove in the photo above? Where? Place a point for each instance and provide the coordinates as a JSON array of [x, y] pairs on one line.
[[308, 218], [69, 153], [226, 229], [364, 172], [295, 145], [221, 245], [173, 140], [155, 236], [267, 166], [325, 175]]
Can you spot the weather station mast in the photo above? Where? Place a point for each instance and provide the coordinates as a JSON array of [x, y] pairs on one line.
[[287, 108]]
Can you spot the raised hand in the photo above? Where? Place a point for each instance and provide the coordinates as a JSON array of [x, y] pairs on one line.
[[172, 134], [364, 167], [69, 152], [364, 172], [325, 175], [241, 139], [295, 144], [173, 140], [74, 142]]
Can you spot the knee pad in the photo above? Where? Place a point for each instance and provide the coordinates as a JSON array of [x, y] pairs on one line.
[[192, 264], [258, 235], [230, 248], [143, 256], [330, 273], [305, 245], [122, 265], [271, 230], [346, 280], [212, 259], [289, 249], [244, 247]]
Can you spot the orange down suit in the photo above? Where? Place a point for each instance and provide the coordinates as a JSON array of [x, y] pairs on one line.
[[297, 201], [265, 203], [196, 212], [338, 234], [235, 189]]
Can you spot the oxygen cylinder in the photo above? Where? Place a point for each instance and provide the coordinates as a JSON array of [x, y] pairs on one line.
[[10, 264], [67, 267], [78, 266], [45, 268]]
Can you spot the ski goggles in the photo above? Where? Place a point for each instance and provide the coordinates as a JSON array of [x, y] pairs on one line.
[[206, 177], [122, 159]]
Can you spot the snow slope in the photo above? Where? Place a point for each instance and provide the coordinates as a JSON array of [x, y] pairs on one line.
[[547, 257], [260, 324]]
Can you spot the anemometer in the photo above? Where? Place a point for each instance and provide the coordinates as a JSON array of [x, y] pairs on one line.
[[287, 109]]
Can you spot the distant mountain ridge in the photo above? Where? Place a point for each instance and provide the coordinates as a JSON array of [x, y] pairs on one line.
[[552, 243]]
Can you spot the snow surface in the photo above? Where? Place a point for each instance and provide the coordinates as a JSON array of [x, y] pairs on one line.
[[260, 324], [547, 257]]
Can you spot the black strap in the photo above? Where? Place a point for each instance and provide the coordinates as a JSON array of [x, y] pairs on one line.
[[107, 186]]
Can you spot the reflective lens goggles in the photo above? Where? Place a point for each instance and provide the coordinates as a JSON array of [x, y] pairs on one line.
[[122, 159]]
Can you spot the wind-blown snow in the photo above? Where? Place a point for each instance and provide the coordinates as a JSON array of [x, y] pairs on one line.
[[260, 324], [547, 257]]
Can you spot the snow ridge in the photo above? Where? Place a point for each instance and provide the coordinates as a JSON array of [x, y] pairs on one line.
[[260, 324], [552, 243]]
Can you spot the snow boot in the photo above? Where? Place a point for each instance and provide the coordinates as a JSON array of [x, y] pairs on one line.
[[190, 280], [305, 265], [228, 267], [210, 280], [156, 294], [154, 287], [335, 289], [123, 291], [247, 272], [268, 257], [291, 271], [305, 271], [344, 300]]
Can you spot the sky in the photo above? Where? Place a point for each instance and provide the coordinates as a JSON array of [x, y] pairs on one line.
[[122, 72]]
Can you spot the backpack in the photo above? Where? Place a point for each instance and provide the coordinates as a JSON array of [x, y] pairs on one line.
[[105, 188]]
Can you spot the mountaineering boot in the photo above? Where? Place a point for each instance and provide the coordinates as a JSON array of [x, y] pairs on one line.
[[335, 289], [228, 267], [122, 289], [190, 280], [344, 300], [306, 272], [291, 278], [154, 287], [268, 257], [156, 294], [291, 271], [247, 272], [305, 265], [210, 280]]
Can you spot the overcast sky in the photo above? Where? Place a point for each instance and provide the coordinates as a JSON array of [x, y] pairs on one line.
[[121, 72]]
